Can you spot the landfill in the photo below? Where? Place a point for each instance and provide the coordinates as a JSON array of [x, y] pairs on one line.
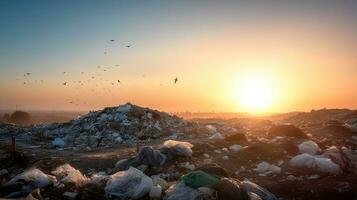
[[131, 152]]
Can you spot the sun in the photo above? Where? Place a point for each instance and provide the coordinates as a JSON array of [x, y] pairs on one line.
[[255, 93]]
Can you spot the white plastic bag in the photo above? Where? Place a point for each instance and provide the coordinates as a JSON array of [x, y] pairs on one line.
[[180, 191], [67, 174], [178, 147], [129, 184], [36, 176], [309, 147]]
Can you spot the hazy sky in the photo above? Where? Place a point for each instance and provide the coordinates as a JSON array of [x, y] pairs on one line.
[[306, 52]]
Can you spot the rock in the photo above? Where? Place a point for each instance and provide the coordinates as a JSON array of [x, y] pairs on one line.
[[70, 195]]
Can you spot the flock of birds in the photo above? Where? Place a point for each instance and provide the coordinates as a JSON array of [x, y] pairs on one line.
[[81, 82]]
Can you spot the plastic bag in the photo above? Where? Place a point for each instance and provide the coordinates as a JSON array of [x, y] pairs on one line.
[[177, 148], [180, 191], [67, 174], [36, 176], [129, 184], [199, 178]]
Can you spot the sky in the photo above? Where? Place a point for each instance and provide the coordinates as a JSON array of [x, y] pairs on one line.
[[228, 56]]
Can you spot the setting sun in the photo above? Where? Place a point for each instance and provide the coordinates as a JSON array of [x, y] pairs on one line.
[[255, 93]]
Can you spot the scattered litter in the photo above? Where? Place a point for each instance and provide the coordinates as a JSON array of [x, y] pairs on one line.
[[309, 147], [266, 168], [217, 136], [147, 156], [199, 178], [314, 162], [67, 174], [37, 178], [180, 191], [211, 129], [177, 148], [235, 148], [58, 142], [70, 195]]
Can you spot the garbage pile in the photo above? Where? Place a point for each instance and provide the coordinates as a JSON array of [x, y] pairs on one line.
[[108, 127], [129, 180]]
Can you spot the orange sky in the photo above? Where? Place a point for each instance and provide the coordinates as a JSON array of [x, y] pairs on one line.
[[308, 59]]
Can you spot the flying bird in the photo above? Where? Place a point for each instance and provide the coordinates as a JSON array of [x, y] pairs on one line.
[[28, 73], [65, 83], [118, 81], [175, 80], [127, 46], [112, 40]]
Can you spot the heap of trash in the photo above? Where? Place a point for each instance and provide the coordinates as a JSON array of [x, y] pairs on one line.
[[109, 127]]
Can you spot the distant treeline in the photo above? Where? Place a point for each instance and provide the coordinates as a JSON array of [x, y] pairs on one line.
[[17, 117]]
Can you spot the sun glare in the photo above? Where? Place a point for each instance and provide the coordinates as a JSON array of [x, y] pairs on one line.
[[255, 94]]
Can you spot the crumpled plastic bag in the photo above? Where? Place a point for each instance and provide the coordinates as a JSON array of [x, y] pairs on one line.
[[23, 184], [177, 148], [68, 174], [129, 184], [180, 191], [147, 156], [199, 178], [315, 162], [261, 192], [36, 176]]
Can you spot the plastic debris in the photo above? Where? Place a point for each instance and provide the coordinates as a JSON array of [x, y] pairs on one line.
[[235, 148], [217, 136], [58, 142], [309, 147], [179, 148], [147, 156], [37, 178], [199, 178], [68, 174], [129, 184], [180, 191], [315, 162], [260, 191], [267, 168]]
